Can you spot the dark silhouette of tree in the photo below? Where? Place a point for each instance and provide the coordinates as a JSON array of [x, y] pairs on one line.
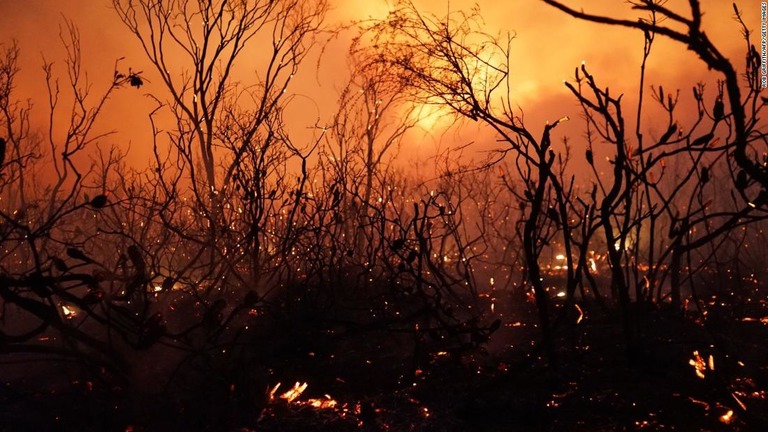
[[250, 245], [231, 146], [697, 41], [452, 62], [49, 273]]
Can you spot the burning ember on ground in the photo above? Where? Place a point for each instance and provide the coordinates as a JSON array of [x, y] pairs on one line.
[[69, 312], [727, 418], [581, 314], [291, 396], [700, 366]]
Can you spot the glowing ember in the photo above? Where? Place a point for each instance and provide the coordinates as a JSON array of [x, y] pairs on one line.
[[294, 392], [68, 311], [727, 418], [592, 265], [699, 366], [292, 395], [327, 402], [581, 314], [699, 402], [273, 391], [741, 404], [763, 320]]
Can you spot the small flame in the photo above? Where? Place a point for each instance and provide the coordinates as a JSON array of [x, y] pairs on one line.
[[291, 396], [294, 392]]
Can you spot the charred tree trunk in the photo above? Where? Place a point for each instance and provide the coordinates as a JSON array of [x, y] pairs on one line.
[[531, 252], [674, 270]]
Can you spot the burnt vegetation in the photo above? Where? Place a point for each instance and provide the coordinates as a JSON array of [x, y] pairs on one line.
[[613, 280]]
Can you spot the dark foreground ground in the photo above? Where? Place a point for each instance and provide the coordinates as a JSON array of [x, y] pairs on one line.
[[595, 386], [380, 383]]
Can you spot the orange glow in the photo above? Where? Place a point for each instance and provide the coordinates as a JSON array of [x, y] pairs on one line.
[[535, 80], [433, 118]]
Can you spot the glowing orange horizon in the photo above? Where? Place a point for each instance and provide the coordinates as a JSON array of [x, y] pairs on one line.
[[547, 46]]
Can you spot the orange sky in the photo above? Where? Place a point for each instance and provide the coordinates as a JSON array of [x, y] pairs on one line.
[[548, 46]]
